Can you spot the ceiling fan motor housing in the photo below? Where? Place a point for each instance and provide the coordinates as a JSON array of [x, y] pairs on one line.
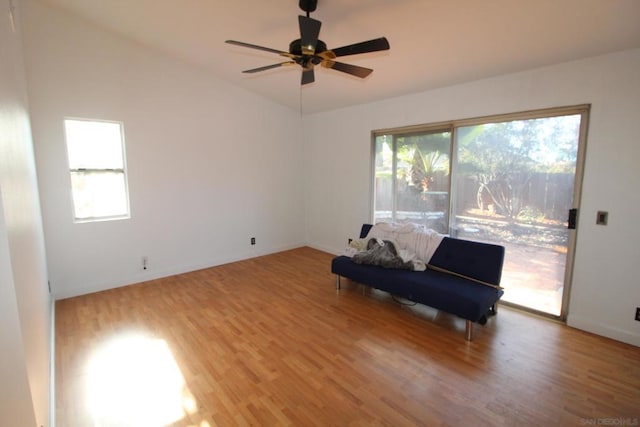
[[295, 47], [306, 61]]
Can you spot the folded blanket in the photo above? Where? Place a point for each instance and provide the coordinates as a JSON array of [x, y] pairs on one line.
[[414, 238], [385, 254]]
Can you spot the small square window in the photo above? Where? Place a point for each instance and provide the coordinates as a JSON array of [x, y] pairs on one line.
[[95, 151]]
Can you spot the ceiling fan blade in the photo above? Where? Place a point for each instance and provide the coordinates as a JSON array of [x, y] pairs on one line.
[[268, 67], [364, 47], [307, 76], [309, 32], [254, 46], [354, 70]]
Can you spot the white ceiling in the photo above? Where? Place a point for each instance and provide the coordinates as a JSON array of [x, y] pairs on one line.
[[434, 43]]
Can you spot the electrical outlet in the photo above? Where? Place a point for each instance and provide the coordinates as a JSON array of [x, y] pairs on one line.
[[602, 217], [638, 314], [145, 262], [253, 240]]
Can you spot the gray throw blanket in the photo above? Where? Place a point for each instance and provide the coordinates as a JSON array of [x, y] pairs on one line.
[[384, 255]]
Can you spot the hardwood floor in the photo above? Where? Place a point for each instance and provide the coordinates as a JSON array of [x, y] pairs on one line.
[[269, 341]]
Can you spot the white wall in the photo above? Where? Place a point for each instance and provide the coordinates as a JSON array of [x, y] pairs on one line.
[[605, 289], [209, 165], [25, 314]]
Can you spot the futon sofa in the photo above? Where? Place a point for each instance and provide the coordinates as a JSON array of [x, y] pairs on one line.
[[462, 278]]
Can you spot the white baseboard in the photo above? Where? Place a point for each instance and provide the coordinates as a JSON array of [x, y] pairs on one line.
[[172, 271], [332, 251], [603, 330]]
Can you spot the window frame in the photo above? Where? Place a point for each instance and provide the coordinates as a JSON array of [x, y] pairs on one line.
[[105, 170], [403, 133]]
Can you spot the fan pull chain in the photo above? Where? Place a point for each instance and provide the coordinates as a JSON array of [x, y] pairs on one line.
[[300, 102]]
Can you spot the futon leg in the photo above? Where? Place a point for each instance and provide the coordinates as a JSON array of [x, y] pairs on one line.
[[494, 308], [468, 330], [337, 282]]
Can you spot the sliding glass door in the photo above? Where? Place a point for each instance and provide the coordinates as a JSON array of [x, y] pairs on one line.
[[509, 180], [515, 187]]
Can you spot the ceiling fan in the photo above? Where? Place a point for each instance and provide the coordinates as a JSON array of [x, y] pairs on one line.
[[308, 51]]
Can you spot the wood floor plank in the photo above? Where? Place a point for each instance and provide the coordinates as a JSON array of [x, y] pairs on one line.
[[269, 341]]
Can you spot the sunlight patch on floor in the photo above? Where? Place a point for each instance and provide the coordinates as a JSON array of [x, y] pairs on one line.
[[134, 380]]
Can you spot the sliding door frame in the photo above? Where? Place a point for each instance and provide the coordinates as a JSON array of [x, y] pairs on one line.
[[452, 126]]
